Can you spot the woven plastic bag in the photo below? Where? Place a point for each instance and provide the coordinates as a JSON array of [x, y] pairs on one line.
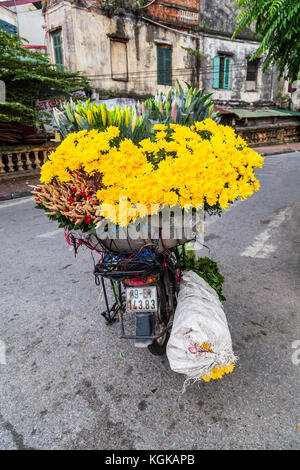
[[200, 343]]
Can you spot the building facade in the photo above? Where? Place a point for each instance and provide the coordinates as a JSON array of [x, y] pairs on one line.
[[135, 51], [8, 20], [131, 52], [25, 18], [227, 71]]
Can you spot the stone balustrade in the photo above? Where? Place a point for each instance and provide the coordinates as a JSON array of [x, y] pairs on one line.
[[269, 134], [22, 160]]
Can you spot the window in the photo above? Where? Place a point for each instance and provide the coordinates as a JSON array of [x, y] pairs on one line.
[[251, 77], [164, 65], [118, 59], [7, 27], [58, 50], [222, 69]]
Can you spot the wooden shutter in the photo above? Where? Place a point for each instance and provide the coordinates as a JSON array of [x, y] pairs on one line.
[[57, 47], [164, 66], [227, 69], [168, 66], [216, 79], [160, 66], [119, 62]]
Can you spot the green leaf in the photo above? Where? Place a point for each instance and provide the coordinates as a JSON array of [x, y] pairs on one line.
[[276, 23], [28, 76], [207, 269]]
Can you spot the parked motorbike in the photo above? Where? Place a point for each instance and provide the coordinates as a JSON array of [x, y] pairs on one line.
[[144, 284]]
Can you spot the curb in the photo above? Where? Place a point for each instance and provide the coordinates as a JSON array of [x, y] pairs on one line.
[[5, 197], [276, 152]]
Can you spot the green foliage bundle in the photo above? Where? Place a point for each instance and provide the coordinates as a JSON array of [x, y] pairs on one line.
[[277, 24], [207, 269], [29, 76]]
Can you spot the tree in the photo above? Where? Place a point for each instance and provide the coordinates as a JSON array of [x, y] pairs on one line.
[[277, 24], [29, 76]]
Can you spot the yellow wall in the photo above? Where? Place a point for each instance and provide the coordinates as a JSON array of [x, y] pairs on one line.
[[87, 48]]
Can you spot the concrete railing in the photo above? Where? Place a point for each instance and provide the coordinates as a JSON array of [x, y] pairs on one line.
[[23, 160]]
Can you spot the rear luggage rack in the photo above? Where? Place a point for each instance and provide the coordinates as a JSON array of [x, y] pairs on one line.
[[118, 267]]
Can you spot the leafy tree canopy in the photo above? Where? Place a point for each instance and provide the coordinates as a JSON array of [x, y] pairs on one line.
[[277, 24], [29, 76]]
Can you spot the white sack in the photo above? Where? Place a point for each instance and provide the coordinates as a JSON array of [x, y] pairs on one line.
[[199, 318]]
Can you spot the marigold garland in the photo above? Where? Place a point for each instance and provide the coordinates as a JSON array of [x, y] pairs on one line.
[[218, 372]]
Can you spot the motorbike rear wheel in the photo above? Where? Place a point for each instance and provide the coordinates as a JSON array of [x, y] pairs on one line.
[[158, 347]]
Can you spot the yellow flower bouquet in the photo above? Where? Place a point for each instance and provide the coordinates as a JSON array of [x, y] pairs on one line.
[[204, 164]]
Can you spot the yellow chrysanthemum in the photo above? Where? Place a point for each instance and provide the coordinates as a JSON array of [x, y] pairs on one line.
[[218, 372], [189, 165]]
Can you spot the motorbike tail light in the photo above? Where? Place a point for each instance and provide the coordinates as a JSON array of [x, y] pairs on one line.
[[141, 281]]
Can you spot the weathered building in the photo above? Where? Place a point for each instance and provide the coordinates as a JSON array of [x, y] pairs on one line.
[[225, 66], [129, 52], [138, 50], [129, 49], [8, 20], [24, 18]]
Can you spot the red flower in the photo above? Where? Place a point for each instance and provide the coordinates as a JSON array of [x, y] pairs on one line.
[[70, 200], [38, 189], [87, 219]]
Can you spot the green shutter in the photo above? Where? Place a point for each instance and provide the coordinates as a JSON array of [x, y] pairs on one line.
[[227, 67], [160, 66], [58, 51], [168, 66], [216, 79], [164, 66]]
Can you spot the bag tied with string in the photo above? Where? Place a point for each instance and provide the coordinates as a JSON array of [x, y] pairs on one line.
[[200, 344]]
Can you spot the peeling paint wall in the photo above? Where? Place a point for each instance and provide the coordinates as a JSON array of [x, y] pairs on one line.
[[238, 51], [216, 22], [295, 96], [219, 16], [90, 44], [87, 35]]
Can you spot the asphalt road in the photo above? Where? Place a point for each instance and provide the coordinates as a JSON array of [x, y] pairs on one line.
[[65, 384]]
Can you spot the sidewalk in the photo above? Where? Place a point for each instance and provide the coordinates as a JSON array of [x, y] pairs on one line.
[[277, 149], [19, 187]]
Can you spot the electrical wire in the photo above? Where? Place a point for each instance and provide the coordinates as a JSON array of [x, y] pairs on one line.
[[208, 69], [184, 73]]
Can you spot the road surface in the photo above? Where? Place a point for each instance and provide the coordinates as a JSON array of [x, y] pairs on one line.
[[65, 384]]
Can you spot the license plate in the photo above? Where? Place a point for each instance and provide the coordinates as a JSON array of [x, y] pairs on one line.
[[141, 299]]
